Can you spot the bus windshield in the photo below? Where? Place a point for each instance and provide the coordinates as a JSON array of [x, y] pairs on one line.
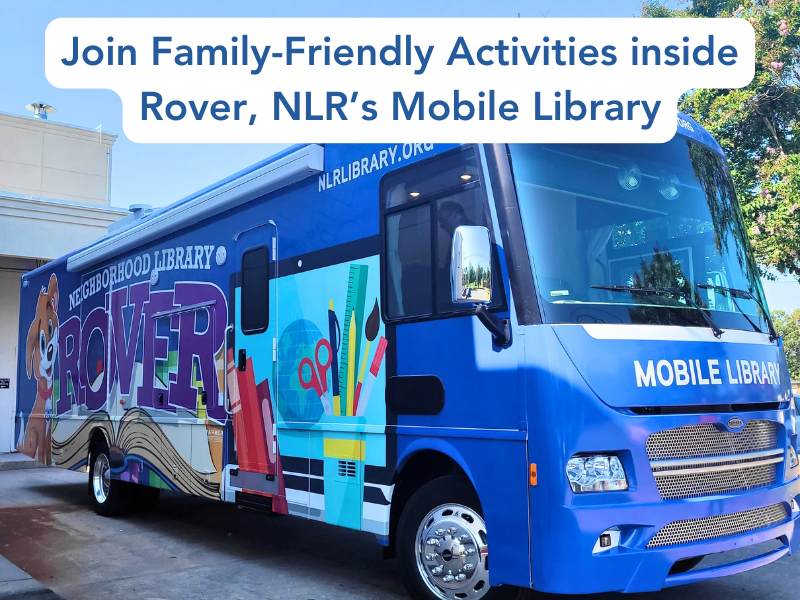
[[604, 221]]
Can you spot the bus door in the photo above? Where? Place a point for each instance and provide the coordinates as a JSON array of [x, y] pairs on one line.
[[446, 377], [252, 368]]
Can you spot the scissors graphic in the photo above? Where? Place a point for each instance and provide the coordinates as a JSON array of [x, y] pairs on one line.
[[319, 376]]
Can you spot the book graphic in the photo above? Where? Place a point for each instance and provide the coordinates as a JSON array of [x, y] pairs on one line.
[[253, 421], [137, 439]]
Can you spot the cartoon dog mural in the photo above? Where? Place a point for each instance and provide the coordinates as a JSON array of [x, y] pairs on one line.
[[40, 359]]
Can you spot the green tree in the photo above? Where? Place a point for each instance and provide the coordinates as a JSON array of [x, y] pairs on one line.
[[757, 125], [788, 327], [469, 276]]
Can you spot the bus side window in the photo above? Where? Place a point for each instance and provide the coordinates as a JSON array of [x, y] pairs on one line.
[[422, 205], [255, 290], [408, 259]]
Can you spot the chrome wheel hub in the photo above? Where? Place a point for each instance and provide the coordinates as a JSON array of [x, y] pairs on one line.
[[101, 478], [452, 555]]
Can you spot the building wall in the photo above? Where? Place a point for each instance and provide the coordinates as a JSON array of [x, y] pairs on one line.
[[54, 198], [40, 158], [34, 231]]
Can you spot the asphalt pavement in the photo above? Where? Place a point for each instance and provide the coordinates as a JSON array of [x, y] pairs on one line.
[[193, 548]]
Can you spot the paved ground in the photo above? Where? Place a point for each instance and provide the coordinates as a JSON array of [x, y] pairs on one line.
[[16, 583], [193, 548], [15, 460]]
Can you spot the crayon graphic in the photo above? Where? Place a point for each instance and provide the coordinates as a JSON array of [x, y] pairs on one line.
[[374, 369], [351, 365]]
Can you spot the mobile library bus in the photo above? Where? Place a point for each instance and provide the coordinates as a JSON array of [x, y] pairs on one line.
[[559, 353]]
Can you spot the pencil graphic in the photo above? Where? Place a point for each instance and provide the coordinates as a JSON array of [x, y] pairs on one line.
[[351, 365], [371, 332], [334, 334]]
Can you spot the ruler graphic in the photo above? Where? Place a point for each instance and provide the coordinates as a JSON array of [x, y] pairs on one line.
[[356, 296]]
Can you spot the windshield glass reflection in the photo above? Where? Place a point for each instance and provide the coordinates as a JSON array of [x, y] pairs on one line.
[[599, 218]]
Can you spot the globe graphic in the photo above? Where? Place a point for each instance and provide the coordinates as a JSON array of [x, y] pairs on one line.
[[297, 405]]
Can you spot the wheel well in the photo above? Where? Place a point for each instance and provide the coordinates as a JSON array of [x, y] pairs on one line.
[[423, 467], [98, 437]]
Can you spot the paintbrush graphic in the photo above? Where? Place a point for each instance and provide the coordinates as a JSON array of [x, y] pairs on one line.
[[371, 332], [335, 339]]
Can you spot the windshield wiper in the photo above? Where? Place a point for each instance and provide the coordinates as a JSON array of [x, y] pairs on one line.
[[773, 335], [668, 291]]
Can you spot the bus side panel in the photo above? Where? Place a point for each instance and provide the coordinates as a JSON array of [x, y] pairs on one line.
[[478, 427], [498, 470]]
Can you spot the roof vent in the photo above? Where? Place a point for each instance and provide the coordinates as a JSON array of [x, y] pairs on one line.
[[138, 211], [40, 110]]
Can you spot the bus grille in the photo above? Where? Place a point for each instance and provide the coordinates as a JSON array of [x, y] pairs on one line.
[[710, 528], [702, 460], [695, 485], [696, 441]]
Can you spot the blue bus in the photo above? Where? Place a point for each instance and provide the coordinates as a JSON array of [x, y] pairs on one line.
[[559, 353]]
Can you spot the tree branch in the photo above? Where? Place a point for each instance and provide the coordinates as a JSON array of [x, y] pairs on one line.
[[769, 125]]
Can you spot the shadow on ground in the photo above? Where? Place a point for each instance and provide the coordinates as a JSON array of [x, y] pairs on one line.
[[191, 547]]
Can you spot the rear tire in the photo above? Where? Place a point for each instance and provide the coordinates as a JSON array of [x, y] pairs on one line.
[[108, 495], [455, 565]]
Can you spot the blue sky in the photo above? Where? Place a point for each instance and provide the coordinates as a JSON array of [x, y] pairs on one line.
[[161, 173]]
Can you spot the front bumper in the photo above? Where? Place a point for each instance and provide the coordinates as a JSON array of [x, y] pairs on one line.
[[632, 567]]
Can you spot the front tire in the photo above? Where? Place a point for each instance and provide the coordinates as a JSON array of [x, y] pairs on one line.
[[442, 547], [108, 495]]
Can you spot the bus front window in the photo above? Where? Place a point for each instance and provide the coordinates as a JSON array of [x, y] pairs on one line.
[[644, 216]]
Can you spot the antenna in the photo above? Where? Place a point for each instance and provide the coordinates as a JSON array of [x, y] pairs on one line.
[[40, 110]]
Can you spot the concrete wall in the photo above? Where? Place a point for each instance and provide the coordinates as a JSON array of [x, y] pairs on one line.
[[47, 229], [49, 160]]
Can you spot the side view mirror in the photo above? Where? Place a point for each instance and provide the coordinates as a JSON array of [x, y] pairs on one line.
[[471, 266], [471, 278]]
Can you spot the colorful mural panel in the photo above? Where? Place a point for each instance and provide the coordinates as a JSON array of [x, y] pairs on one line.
[[124, 361], [331, 383]]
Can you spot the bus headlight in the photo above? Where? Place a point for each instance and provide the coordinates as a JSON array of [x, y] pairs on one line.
[[597, 473]]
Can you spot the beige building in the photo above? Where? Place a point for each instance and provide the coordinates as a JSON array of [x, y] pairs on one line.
[[55, 193]]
